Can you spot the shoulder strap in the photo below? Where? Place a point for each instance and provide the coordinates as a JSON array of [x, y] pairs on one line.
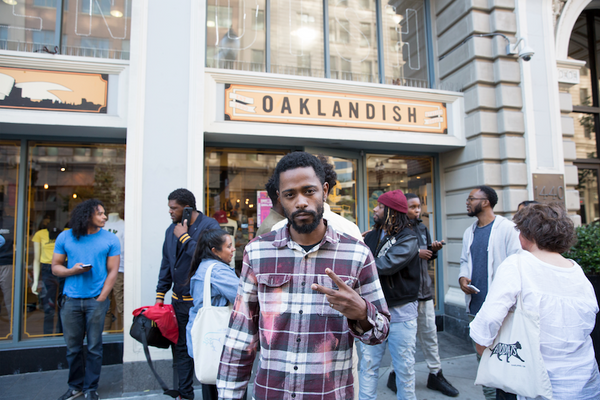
[[207, 288], [520, 297], [169, 392]]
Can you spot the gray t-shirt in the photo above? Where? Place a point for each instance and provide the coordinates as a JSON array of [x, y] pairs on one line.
[[479, 259], [405, 312]]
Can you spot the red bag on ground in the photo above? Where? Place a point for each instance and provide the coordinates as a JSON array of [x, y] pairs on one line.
[[164, 317]]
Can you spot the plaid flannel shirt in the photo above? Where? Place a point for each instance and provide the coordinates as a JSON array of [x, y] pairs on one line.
[[305, 345]]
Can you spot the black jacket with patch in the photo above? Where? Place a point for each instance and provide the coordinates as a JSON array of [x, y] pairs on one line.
[[426, 288], [397, 260]]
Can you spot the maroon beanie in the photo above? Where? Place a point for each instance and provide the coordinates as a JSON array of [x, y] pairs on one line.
[[396, 200]]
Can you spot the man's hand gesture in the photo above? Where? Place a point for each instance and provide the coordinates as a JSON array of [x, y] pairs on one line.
[[345, 299]]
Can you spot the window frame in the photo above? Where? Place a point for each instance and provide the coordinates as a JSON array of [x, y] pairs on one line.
[[329, 29]]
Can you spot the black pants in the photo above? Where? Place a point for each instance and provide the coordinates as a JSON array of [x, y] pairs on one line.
[[502, 395], [182, 362]]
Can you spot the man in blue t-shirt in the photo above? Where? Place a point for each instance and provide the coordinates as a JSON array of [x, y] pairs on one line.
[[93, 256], [486, 244]]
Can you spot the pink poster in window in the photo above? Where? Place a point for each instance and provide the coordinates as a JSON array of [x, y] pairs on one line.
[[264, 205]]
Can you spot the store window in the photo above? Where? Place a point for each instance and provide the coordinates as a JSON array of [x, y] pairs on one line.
[[297, 38], [235, 180], [411, 175], [9, 173], [235, 34], [60, 176], [90, 28], [297, 35], [585, 96]]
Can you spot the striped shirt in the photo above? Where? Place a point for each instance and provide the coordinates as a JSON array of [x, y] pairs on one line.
[[305, 345]]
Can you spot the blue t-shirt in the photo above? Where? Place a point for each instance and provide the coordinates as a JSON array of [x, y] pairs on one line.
[[479, 259], [89, 249]]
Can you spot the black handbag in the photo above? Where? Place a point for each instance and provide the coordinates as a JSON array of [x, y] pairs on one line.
[[145, 327], [145, 331]]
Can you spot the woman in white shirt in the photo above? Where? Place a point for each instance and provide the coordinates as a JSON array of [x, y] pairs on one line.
[[553, 287]]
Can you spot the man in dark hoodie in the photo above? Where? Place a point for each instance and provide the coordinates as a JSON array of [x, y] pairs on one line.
[[180, 241], [395, 247], [426, 328]]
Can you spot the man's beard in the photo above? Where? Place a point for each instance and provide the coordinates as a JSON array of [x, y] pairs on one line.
[[475, 211], [306, 228]]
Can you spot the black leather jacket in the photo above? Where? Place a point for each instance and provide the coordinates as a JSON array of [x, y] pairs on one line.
[[426, 288], [397, 260]]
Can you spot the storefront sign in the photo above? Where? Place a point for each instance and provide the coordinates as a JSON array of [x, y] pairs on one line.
[[53, 90], [293, 106], [548, 188]]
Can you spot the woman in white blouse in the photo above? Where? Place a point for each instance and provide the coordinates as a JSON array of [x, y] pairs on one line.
[[555, 288]]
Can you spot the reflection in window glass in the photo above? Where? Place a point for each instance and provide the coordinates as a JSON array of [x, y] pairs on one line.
[[351, 40], [60, 177], [411, 175], [97, 28], [27, 27], [236, 181], [9, 172], [585, 135], [588, 195], [233, 31], [405, 43], [297, 37], [342, 197]]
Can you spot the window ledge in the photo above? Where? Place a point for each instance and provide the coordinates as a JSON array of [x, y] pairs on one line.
[[52, 62]]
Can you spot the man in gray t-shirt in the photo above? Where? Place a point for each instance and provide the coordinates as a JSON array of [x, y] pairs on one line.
[[486, 243]]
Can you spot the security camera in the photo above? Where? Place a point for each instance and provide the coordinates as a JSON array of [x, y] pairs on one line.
[[526, 53]]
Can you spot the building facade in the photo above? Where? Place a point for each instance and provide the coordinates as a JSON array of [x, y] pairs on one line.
[[127, 100]]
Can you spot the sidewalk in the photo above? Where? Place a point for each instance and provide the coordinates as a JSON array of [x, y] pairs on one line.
[[458, 363]]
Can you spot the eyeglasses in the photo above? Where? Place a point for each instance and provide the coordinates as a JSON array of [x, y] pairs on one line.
[[470, 199]]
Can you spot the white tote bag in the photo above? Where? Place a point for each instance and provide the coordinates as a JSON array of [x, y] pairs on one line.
[[208, 335], [514, 362]]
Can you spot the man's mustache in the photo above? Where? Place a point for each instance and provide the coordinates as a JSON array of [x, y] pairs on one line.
[[300, 212]]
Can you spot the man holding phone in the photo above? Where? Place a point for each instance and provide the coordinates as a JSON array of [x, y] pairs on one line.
[[486, 243], [93, 263], [426, 328], [180, 241]]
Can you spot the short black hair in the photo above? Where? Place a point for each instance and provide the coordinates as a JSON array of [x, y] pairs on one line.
[[490, 193], [82, 215], [298, 159], [330, 174], [272, 189], [410, 196], [527, 202], [183, 197]]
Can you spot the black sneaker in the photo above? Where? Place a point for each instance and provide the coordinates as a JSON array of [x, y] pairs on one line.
[[71, 394], [392, 382], [93, 395], [439, 383]]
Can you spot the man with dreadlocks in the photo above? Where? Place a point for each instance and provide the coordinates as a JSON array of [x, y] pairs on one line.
[[90, 273], [396, 250]]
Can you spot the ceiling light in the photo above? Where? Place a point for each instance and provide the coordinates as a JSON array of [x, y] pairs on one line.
[[10, 2], [74, 195], [63, 169], [46, 186], [116, 10]]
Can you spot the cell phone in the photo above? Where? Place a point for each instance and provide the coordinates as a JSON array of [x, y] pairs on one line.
[[474, 288], [86, 265], [187, 214]]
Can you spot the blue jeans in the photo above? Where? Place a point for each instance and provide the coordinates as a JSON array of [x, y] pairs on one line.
[[402, 342], [81, 318]]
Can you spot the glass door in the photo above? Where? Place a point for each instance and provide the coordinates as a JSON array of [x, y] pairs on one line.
[[9, 174], [343, 195]]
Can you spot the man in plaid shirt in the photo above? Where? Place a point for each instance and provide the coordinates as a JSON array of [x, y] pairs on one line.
[[306, 291]]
